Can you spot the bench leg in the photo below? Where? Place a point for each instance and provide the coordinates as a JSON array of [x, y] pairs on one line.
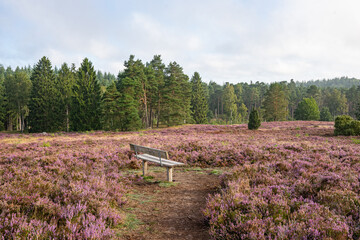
[[145, 167], [169, 174]]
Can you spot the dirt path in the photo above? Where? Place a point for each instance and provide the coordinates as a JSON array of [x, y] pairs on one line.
[[161, 210]]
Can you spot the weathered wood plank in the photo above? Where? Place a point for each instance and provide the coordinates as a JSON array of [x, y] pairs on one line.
[[164, 161], [165, 164], [151, 151], [169, 174], [145, 167]]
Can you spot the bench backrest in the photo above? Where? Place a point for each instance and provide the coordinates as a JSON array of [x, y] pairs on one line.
[[150, 151]]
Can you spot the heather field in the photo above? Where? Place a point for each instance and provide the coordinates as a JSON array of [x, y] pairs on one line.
[[287, 180]]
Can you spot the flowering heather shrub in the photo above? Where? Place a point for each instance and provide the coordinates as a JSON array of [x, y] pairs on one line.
[[295, 188], [290, 180], [71, 188]]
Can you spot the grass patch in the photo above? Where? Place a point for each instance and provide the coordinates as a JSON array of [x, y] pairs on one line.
[[356, 141], [131, 222], [46, 144], [196, 169], [216, 172], [158, 169], [140, 198], [148, 177], [167, 184]]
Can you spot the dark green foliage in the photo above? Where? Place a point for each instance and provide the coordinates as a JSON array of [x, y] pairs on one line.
[[152, 94], [353, 100], [129, 85], [156, 78], [65, 83], [85, 111], [276, 103], [335, 100], [215, 98], [346, 125], [176, 96], [342, 82], [307, 110], [110, 108], [3, 102], [230, 106], [325, 115], [129, 114], [44, 103], [199, 105], [254, 120]]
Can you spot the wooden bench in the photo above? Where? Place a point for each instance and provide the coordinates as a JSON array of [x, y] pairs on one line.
[[156, 156]]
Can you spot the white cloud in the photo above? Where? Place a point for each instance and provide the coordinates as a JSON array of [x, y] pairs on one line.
[[224, 41]]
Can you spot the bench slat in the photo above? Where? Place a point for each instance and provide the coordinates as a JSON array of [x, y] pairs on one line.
[[151, 151], [162, 160], [155, 161]]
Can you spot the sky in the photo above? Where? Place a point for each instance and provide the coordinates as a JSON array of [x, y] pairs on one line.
[[224, 40]]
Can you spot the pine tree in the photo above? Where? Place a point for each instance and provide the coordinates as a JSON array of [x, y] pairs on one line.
[[242, 109], [10, 117], [129, 86], [230, 107], [176, 96], [156, 90], [3, 102], [110, 108], [215, 98], [85, 112], [307, 110], [336, 101], [254, 120], [199, 105], [276, 103], [65, 83], [44, 101]]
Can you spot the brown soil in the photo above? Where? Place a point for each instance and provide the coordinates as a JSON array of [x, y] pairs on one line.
[[171, 212]]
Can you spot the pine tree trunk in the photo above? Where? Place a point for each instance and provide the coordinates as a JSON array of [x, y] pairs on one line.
[[22, 118], [19, 118], [67, 118], [10, 125], [158, 114], [146, 111], [150, 117]]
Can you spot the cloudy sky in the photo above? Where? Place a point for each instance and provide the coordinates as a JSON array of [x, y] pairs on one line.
[[224, 40]]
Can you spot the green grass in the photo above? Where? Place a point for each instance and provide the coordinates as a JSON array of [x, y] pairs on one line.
[[167, 184], [355, 140], [131, 222], [140, 198], [46, 144], [216, 172]]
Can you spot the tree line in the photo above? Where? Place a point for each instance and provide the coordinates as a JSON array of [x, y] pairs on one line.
[[146, 95]]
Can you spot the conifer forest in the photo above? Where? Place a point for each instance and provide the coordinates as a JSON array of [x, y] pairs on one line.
[[153, 94]]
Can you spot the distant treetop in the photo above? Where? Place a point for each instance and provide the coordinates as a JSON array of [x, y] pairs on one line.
[[342, 82]]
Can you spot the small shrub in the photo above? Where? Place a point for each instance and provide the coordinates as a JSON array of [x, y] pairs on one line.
[[254, 120], [46, 144], [346, 125]]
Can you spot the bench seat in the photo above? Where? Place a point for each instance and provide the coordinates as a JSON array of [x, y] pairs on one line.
[[164, 162]]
